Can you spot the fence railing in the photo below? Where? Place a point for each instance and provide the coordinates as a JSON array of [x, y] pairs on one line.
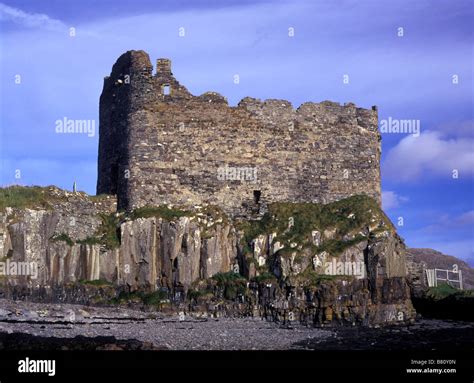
[[451, 277]]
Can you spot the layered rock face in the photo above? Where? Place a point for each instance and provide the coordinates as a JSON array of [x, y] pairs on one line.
[[83, 238], [336, 263]]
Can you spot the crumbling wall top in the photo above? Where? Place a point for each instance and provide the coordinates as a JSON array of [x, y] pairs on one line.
[[163, 67]]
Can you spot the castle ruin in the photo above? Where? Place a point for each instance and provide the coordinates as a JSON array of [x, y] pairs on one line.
[[159, 144]]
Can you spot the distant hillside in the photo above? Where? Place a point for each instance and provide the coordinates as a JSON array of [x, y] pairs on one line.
[[436, 259]]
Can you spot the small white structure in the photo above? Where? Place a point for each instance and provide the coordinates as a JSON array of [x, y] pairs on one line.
[[451, 277]]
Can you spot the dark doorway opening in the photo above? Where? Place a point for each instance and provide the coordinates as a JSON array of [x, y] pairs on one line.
[[256, 196]]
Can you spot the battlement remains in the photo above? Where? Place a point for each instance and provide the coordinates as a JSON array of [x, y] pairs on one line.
[[159, 144]]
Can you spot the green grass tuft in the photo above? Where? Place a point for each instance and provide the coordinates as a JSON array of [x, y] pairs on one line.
[[149, 299], [164, 212], [346, 216], [63, 237], [312, 279], [155, 298], [108, 231], [25, 197], [229, 277], [443, 291], [89, 241], [232, 283], [265, 277]]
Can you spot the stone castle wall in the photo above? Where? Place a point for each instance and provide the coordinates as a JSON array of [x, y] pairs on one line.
[[161, 145]]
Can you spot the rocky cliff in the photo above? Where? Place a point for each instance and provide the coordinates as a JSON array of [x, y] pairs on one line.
[[339, 263]]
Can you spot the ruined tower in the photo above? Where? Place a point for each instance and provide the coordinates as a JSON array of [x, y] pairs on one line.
[[159, 144]]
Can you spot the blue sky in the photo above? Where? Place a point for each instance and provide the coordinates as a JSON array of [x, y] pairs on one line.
[[409, 77]]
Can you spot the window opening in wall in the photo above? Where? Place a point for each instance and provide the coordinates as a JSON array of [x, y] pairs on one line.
[[256, 196], [166, 90]]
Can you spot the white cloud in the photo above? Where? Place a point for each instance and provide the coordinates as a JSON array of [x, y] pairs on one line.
[[430, 154], [466, 218], [30, 20], [449, 233], [458, 129], [449, 221], [391, 200]]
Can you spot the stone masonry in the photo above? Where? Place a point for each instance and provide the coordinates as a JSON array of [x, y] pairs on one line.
[[159, 144]]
